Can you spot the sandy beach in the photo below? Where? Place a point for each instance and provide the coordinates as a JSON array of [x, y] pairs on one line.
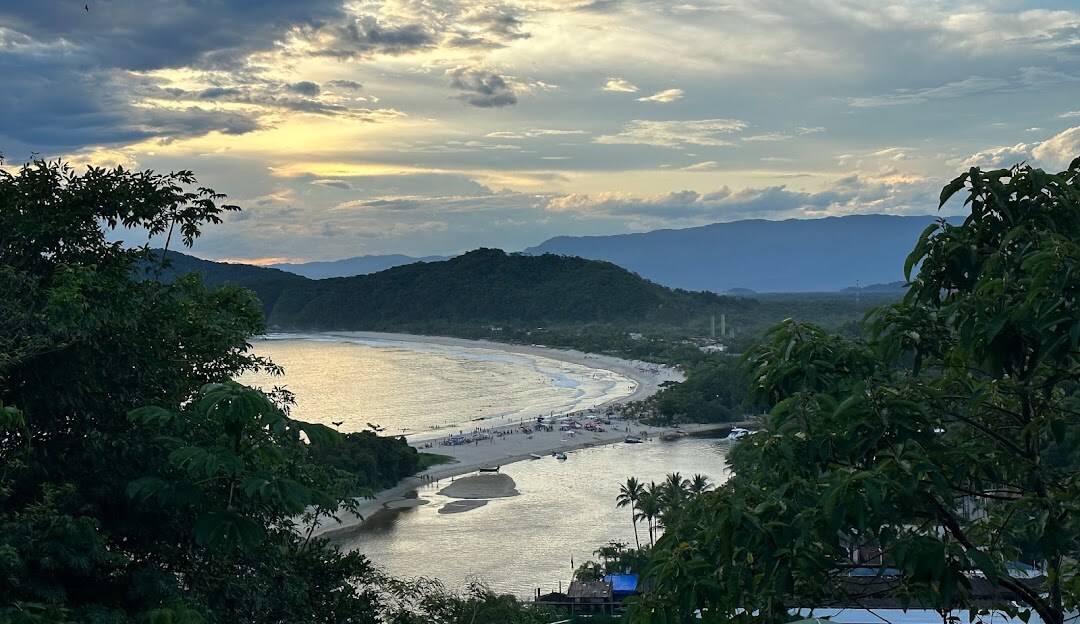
[[508, 443]]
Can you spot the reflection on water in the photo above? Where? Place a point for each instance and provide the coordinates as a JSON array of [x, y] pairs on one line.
[[566, 510], [416, 388]]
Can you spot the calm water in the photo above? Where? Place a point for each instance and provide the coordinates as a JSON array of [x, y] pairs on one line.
[[419, 388], [565, 510]]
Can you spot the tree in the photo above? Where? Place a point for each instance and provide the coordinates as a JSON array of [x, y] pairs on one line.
[[698, 484], [937, 441], [629, 493], [136, 481], [650, 507], [426, 601]]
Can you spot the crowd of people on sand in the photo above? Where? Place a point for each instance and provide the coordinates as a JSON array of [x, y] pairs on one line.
[[593, 419]]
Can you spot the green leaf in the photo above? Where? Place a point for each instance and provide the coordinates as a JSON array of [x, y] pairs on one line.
[[951, 188], [145, 488], [151, 415], [319, 435], [228, 529], [984, 563]]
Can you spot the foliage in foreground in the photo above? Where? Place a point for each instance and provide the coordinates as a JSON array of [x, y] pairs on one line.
[[136, 482], [943, 444], [426, 601]]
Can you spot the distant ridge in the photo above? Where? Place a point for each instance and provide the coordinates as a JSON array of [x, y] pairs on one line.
[[796, 255], [490, 286], [478, 288], [348, 267], [267, 283]]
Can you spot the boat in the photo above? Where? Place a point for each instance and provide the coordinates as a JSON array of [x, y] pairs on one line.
[[633, 440], [738, 433], [489, 469], [536, 456], [560, 455], [672, 435]]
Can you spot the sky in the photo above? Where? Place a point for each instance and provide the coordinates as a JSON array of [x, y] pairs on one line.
[[433, 127]]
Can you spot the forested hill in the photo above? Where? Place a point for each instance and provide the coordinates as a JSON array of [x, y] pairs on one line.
[[485, 286], [267, 283], [488, 286]]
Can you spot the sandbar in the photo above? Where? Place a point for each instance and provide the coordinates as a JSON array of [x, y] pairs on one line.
[[481, 486]]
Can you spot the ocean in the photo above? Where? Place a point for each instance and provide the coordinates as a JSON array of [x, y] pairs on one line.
[[421, 388], [565, 509]]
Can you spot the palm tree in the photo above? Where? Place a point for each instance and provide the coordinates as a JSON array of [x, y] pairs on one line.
[[649, 506], [699, 484], [673, 493], [628, 495]]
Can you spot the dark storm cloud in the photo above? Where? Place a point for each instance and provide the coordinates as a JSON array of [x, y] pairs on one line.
[[66, 80], [365, 35], [52, 107], [155, 34], [485, 89]]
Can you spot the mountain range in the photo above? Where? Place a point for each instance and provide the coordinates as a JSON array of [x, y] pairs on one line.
[[796, 255]]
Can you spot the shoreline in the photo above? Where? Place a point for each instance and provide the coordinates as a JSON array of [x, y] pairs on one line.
[[508, 444]]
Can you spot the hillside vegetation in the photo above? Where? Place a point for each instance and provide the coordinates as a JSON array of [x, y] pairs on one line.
[[556, 300]]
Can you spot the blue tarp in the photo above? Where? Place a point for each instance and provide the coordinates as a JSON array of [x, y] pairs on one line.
[[622, 583]]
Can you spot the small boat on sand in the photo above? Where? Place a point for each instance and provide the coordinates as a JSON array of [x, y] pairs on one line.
[[489, 469], [536, 456], [559, 455], [633, 440]]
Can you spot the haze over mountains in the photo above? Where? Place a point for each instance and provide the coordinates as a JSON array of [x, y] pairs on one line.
[[360, 265], [796, 255]]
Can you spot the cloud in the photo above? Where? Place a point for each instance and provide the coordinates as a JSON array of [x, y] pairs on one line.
[[705, 132], [340, 184], [1059, 150], [850, 195], [365, 35], [53, 109], [961, 88], [154, 34], [619, 85], [708, 165], [350, 85], [770, 137], [531, 133], [1069, 115], [665, 96], [308, 88], [500, 23], [484, 89], [213, 93], [1052, 154], [275, 95], [998, 157]]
